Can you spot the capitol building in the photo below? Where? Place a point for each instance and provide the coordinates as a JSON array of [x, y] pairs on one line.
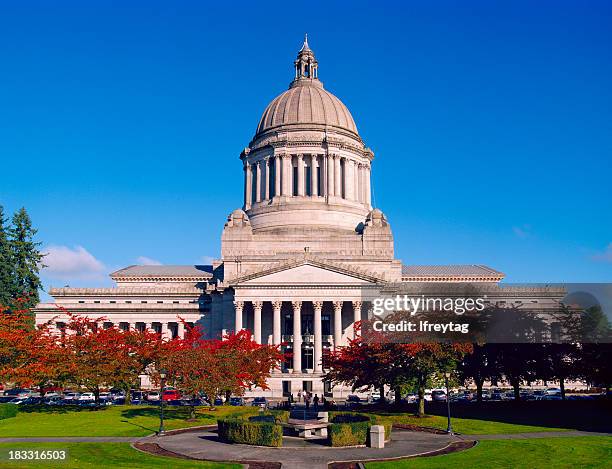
[[299, 260]]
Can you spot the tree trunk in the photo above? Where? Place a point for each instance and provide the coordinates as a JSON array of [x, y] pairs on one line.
[[192, 416], [41, 389], [398, 396], [421, 409], [128, 394], [479, 384], [517, 389], [228, 394], [97, 396], [382, 393], [562, 387]]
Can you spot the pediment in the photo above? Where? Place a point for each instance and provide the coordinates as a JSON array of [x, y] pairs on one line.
[[308, 272]]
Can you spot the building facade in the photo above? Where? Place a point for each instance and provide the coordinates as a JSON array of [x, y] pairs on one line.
[[299, 261]]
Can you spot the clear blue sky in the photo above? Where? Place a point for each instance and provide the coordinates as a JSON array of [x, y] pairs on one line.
[[121, 124]]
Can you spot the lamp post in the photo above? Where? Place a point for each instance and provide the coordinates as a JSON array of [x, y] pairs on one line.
[[162, 382], [449, 428]]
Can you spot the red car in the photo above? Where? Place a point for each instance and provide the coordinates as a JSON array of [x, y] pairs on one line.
[[171, 395]]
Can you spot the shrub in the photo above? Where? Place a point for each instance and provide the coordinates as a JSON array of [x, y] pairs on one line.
[[348, 429], [8, 411], [348, 434], [234, 430]]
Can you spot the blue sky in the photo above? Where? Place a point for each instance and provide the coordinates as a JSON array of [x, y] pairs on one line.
[[491, 123]]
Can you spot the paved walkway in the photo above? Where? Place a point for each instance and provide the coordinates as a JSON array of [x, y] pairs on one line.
[[311, 455]]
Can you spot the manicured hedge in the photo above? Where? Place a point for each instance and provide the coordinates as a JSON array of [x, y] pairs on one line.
[[236, 430], [8, 411], [347, 429]]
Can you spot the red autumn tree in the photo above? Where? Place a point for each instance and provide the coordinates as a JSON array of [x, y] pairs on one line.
[[29, 356], [219, 367], [364, 364], [96, 357]]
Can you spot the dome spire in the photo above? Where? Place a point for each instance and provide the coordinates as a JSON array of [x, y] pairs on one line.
[[306, 65], [305, 45]]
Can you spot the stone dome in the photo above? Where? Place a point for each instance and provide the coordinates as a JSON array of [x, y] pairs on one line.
[[306, 102]]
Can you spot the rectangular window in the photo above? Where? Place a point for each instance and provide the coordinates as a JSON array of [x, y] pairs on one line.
[[272, 179], [295, 181], [308, 180], [253, 183]]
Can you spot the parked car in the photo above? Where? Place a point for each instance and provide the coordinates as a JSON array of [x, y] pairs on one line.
[[170, 395], [18, 392], [71, 397], [353, 398], [438, 395], [18, 400], [53, 400], [138, 396], [153, 396], [553, 391], [87, 396], [260, 402], [236, 401], [412, 398]]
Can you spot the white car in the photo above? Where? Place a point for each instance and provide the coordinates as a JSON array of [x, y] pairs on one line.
[[553, 391], [87, 396], [72, 396], [153, 396]]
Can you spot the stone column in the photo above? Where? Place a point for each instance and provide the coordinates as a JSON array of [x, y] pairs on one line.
[[318, 337], [258, 182], [266, 195], [276, 322], [132, 326], [286, 182], [337, 176], [337, 323], [238, 306], [368, 194], [165, 332], [257, 305], [297, 336], [330, 175], [277, 176], [248, 191], [349, 179], [314, 177], [300, 173], [180, 329], [356, 315], [358, 186], [148, 326]]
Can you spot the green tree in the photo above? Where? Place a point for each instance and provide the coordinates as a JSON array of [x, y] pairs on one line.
[[6, 264], [26, 258]]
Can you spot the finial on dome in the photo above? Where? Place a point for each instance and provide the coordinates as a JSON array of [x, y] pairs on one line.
[[305, 45], [306, 64]]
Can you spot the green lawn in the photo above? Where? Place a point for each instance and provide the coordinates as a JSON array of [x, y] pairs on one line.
[[110, 421], [95, 455], [545, 453], [465, 426]]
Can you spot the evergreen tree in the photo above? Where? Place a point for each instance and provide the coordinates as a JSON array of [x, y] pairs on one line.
[[6, 265], [27, 259]]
